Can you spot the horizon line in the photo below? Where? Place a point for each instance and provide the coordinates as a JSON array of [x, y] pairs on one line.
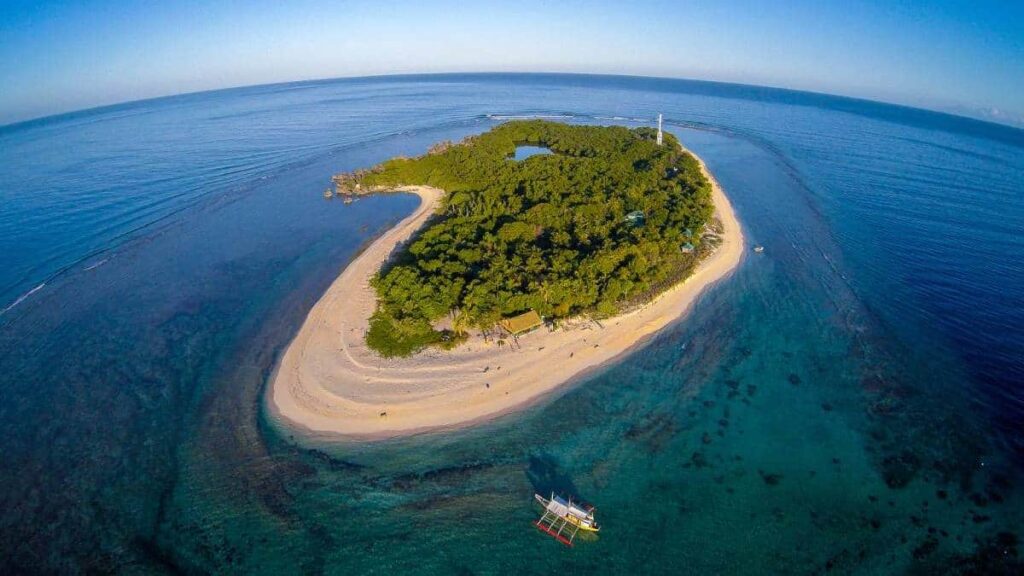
[[384, 76]]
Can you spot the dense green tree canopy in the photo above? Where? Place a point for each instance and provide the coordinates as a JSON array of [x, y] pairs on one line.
[[597, 225]]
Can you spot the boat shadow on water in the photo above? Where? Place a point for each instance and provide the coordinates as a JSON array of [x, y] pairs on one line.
[[546, 476]]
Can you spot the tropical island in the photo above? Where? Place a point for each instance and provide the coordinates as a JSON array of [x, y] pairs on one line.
[[511, 278], [605, 221]]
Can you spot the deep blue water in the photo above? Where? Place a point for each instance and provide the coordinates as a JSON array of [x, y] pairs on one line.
[[849, 401]]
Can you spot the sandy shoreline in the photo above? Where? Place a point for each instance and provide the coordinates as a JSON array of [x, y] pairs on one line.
[[329, 383]]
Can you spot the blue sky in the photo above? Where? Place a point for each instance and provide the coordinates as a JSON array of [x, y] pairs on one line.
[[962, 57]]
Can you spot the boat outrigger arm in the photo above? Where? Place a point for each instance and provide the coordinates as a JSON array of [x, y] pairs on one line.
[[563, 519]]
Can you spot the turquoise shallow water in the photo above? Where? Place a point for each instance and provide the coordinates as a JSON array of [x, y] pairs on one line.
[[847, 402]]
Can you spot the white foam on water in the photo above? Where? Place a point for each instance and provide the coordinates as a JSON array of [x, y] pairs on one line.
[[96, 265], [22, 298]]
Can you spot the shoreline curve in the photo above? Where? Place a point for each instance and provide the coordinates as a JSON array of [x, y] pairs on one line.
[[329, 384]]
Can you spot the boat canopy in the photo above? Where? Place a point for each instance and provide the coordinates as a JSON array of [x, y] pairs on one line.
[[560, 506], [580, 512]]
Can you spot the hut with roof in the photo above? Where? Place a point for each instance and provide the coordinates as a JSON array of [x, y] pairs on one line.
[[522, 323]]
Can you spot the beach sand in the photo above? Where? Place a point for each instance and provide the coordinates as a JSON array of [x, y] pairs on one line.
[[330, 384]]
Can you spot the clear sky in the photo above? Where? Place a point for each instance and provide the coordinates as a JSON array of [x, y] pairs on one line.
[[962, 57]]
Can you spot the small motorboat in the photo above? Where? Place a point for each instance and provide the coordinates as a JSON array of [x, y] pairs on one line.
[[758, 248], [563, 519]]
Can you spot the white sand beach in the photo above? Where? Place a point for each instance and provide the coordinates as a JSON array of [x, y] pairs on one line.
[[329, 383]]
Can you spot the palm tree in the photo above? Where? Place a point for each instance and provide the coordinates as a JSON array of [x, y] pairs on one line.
[[460, 321]]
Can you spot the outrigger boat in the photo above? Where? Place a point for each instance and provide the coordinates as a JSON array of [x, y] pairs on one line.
[[563, 519]]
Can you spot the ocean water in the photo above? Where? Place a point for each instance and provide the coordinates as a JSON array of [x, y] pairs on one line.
[[850, 401]]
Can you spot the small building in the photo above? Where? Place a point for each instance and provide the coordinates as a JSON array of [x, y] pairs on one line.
[[636, 218], [687, 248], [522, 323]]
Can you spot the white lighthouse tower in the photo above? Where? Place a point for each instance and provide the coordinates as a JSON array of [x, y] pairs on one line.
[[659, 129]]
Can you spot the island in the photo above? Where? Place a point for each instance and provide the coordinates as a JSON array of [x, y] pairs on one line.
[[512, 278]]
